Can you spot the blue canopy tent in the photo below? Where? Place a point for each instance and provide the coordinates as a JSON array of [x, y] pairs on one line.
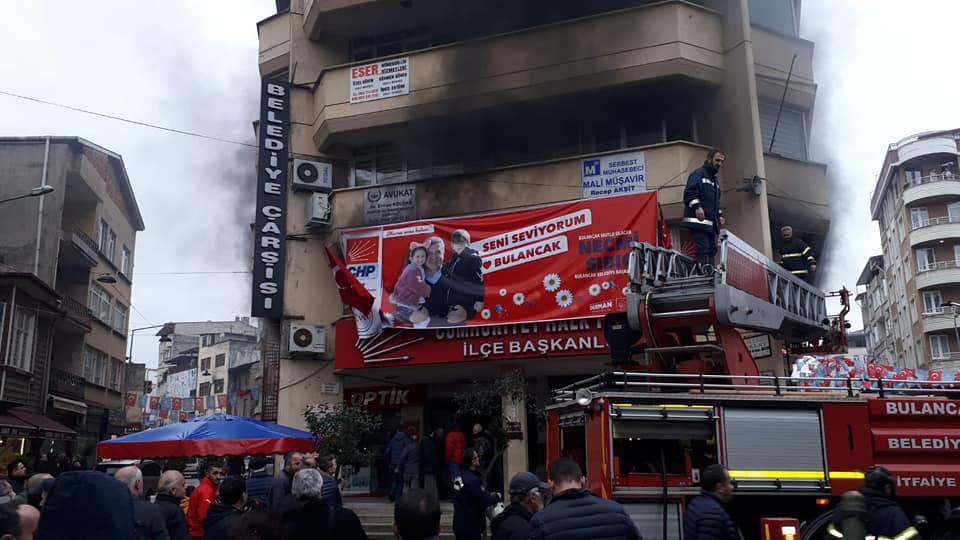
[[212, 435]]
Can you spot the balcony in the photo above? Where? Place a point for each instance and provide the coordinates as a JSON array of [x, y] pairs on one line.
[[938, 274], [525, 185], [772, 53], [667, 40], [274, 54], [933, 229], [66, 384], [78, 250], [932, 187], [78, 312]]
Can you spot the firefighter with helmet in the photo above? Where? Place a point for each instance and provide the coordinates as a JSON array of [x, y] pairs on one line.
[[796, 256], [885, 520]]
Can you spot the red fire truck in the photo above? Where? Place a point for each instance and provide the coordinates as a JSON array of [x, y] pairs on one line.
[[686, 392]]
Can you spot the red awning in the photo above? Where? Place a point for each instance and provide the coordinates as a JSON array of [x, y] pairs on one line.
[[44, 425], [11, 425]]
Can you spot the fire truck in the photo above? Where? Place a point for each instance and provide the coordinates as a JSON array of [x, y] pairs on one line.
[[685, 391]]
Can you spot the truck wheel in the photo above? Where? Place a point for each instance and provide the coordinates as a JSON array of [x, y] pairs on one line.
[[816, 528]]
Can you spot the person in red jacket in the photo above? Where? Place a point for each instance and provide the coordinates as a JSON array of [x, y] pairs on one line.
[[202, 498], [454, 444]]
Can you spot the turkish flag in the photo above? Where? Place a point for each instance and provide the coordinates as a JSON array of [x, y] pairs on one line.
[[222, 401], [665, 240], [352, 292], [154, 402], [164, 413], [131, 400], [176, 404], [198, 404]]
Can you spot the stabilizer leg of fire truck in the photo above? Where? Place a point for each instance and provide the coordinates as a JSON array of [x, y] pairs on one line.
[[686, 318]]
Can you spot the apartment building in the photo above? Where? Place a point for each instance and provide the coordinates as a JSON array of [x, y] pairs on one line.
[[916, 204], [497, 105], [67, 261], [211, 359]]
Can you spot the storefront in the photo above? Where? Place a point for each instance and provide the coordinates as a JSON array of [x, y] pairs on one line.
[[27, 436]]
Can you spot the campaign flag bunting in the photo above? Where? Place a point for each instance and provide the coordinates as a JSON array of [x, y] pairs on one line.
[[255, 394], [131, 400], [183, 416], [165, 403], [211, 402], [143, 401], [176, 404], [164, 413], [154, 402], [187, 405], [221, 401], [198, 404]]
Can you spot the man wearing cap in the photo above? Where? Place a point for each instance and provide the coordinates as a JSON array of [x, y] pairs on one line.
[[526, 499]]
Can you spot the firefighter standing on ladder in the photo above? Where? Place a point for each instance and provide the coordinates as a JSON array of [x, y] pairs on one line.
[[701, 206], [796, 256]]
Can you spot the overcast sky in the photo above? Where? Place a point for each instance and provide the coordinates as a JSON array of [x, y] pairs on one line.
[[885, 70], [191, 65]]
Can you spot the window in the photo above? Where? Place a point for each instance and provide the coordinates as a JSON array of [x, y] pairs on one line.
[[125, 261], [218, 386], [205, 364], [932, 301], [207, 340], [956, 254], [939, 347], [926, 260], [99, 303], [953, 210], [116, 368], [111, 252], [120, 318], [913, 310], [221, 360], [204, 389], [919, 217], [103, 231], [776, 15], [900, 231], [913, 177], [791, 140], [24, 338], [94, 365]]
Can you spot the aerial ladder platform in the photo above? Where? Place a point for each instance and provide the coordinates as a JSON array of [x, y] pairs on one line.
[[685, 317]]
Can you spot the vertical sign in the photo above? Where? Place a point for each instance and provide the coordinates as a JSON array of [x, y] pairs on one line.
[[272, 167]]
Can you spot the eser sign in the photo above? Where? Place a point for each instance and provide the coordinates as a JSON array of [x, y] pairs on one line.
[[385, 397]]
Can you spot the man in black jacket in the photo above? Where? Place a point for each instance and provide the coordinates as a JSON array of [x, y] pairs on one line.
[[416, 516], [526, 499], [885, 518], [796, 256], [150, 523], [224, 515], [701, 206], [170, 492], [576, 514], [258, 485], [706, 518]]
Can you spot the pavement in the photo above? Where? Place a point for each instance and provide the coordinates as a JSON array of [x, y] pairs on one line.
[[376, 515]]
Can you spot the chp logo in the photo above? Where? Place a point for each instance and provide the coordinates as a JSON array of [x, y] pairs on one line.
[[363, 256]]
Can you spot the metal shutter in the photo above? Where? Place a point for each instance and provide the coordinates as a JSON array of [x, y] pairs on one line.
[[791, 141], [773, 440], [649, 519]]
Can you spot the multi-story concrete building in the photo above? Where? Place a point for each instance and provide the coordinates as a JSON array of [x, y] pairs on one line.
[[69, 264], [496, 106], [916, 204], [203, 359], [874, 301]]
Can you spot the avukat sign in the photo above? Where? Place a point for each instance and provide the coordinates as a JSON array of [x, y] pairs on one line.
[[553, 262]]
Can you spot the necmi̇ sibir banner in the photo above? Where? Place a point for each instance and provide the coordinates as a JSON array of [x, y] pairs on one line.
[[559, 261]]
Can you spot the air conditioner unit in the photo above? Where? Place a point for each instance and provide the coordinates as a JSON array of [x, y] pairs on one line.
[[307, 338], [318, 210], [312, 175]]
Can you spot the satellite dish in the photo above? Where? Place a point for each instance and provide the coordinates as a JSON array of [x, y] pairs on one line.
[[584, 397]]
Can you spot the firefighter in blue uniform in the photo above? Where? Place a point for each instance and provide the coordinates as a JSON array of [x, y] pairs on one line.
[[796, 256], [701, 206]]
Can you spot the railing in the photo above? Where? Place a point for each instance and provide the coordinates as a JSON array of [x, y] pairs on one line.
[[943, 177], [90, 242], [66, 384], [767, 385], [77, 310], [933, 221], [942, 265]]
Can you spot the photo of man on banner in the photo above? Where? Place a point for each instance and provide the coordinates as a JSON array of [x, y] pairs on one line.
[[456, 287]]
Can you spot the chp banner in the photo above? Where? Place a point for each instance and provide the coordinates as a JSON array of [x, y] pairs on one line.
[[553, 262]]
